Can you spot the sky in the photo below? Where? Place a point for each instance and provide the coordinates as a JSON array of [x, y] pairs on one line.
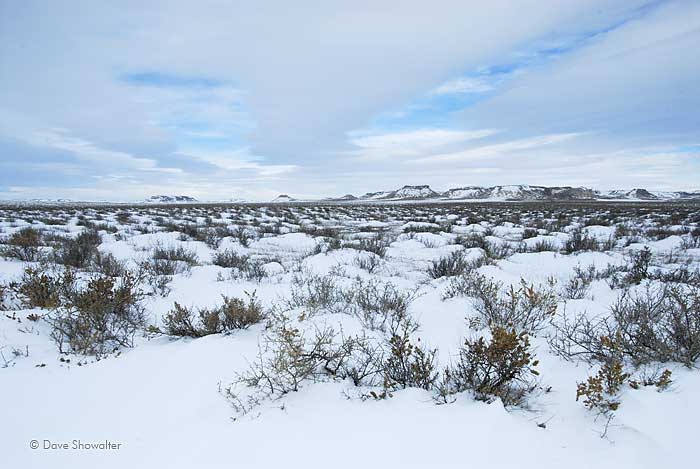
[[220, 100]]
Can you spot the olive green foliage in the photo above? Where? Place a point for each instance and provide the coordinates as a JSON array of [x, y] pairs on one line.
[[502, 367], [78, 252], [600, 392], [40, 287], [234, 313], [409, 364], [24, 244], [100, 317]]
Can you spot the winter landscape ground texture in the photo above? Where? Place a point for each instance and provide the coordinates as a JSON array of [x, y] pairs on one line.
[[544, 334]]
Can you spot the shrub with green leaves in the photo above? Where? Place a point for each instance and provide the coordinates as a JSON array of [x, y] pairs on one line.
[[230, 259], [502, 367], [408, 364], [601, 391], [376, 246], [41, 288], [3, 297], [580, 241], [78, 252], [639, 268], [234, 313], [107, 264], [99, 318], [454, 264], [24, 244], [175, 253]]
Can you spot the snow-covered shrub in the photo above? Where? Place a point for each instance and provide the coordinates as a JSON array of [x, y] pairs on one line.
[[658, 324], [601, 391], [678, 275], [376, 246], [164, 267], [234, 313], [449, 266], [255, 271], [78, 251], [3, 297], [497, 250], [654, 376], [473, 240], [691, 240], [423, 227], [503, 367], [365, 363], [579, 241], [368, 262], [242, 235], [102, 316], [24, 244], [41, 288], [408, 364], [230, 259], [314, 292], [378, 305], [175, 254], [107, 264], [181, 321], [169, 261], [543, 245], [639, 266], [578, 285], [290, 358], [463, 285], [212, 235], [527, 308], [123, 218], [243, 265]]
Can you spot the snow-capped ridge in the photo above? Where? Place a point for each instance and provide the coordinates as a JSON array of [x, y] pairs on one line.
[[282, 198], [170, 199], [524, 192]]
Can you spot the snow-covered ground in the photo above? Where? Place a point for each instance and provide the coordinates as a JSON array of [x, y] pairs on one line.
[[164, 402]]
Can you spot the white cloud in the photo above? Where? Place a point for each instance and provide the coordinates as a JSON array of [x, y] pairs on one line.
[[411, 143], [463, 86], [239, 160], [59, 139], [495, 150]]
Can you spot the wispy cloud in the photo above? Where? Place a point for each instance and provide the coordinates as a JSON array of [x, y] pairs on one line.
[[464, 85], [411, 143], [496, 150], [60, 139], [159, 79], [240, 160]]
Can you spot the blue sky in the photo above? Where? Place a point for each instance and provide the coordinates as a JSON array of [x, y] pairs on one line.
[[227, 100]]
